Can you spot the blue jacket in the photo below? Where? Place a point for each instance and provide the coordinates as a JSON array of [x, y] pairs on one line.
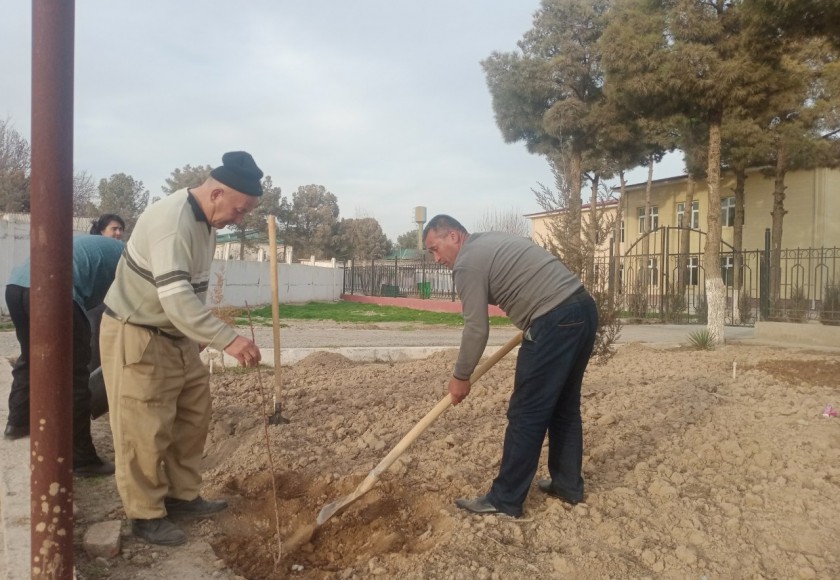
[[94, 264]]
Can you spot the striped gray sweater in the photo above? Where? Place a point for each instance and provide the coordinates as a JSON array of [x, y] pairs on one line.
[[163, 275]]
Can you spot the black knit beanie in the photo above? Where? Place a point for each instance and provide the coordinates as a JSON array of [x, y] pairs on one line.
[[239, 171]]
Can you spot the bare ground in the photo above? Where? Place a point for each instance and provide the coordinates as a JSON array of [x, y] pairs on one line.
[[690, 472]]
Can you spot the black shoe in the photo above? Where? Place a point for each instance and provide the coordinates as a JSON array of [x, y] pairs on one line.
[[158, 531], [94, 469], [194, 508], [545, 487], [479, 505], [15, 432]]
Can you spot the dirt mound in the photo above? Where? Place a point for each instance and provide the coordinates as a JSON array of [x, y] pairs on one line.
[[325, 360]]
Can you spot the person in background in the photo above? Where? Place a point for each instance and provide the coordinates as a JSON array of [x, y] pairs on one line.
[[156, 321], [109, 225], [95, 261], [559, 320]]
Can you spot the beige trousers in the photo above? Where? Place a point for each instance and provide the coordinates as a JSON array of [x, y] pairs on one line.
[[159, 399]]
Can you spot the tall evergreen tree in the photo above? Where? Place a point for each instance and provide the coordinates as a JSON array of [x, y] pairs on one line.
[[694, 58], [313, 215], [186, 176], [125, 196], [546, 94]]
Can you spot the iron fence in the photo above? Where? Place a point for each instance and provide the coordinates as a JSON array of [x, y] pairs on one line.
[[399, 278], [665, 285]]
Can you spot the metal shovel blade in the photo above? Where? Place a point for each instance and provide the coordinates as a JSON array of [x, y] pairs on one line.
[[333, 508]]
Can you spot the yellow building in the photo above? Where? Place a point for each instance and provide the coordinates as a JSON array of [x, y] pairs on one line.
[[812, 203], [668, 263]]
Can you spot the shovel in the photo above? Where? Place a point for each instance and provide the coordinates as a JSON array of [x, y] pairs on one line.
[[333, 508]]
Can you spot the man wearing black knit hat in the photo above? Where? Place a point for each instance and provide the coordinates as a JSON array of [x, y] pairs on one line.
[[154, 325]]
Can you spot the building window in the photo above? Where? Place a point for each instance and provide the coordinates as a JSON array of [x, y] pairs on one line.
[[654, 218], [695, 215], [693, 270], [726, 269], [653, 273], [622, 231], [727, 212]]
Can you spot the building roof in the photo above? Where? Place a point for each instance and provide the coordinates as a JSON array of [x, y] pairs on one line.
[[250, 235], [602, 204]]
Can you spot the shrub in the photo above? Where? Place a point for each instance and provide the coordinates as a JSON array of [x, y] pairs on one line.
[[701, 339], [637, 302], [609, 326], [797, 310], [830, 307], [745, 312], [674, 305], [701, 309]]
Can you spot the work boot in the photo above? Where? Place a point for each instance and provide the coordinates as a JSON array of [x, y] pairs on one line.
[[158, 531], [15, 432], [545, 487], [194, 508], [479, 505], [94, 469]]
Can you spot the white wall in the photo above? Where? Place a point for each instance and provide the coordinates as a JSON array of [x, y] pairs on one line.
[[239, 282], [250, 282]]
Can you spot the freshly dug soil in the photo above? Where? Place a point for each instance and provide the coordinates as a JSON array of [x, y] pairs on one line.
[[690, 472]]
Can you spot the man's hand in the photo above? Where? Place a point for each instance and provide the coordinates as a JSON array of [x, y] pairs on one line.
[[458, 390], [245, 351]]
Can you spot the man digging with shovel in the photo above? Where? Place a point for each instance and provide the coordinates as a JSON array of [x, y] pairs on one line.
[[559, 319]]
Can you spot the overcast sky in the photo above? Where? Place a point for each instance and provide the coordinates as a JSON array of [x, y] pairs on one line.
[[382, 102]]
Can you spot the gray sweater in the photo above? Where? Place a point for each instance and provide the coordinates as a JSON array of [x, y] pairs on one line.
[[523, 279]]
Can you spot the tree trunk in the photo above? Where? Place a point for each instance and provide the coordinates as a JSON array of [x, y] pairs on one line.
[[738, 243], [617, 235], [715, 290], [575, 177], [645, 274], [242, 240], [778, 214], [593, 234], [685, 235]]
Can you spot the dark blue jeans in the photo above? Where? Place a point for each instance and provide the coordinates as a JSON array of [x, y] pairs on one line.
[[546, 399]]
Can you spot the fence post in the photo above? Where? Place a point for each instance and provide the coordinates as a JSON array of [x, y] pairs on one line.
[[423, 275], [764, 285]]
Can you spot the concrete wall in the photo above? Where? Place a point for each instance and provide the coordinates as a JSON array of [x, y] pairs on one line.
[[232, 283]]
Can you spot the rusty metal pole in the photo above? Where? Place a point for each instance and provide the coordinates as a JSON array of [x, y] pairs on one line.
[[51, 293]]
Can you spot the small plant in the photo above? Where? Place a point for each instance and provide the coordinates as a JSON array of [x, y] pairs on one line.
[[674, 305], [701, 339], [745, 312], [797, 310], [637, 303], [701, 309], [830, 307], [226, 314], [609, 326]]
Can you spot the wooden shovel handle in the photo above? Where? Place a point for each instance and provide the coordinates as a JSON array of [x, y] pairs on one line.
[[421, 425]]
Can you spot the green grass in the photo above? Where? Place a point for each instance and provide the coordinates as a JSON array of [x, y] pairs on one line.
[[356, 312]]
